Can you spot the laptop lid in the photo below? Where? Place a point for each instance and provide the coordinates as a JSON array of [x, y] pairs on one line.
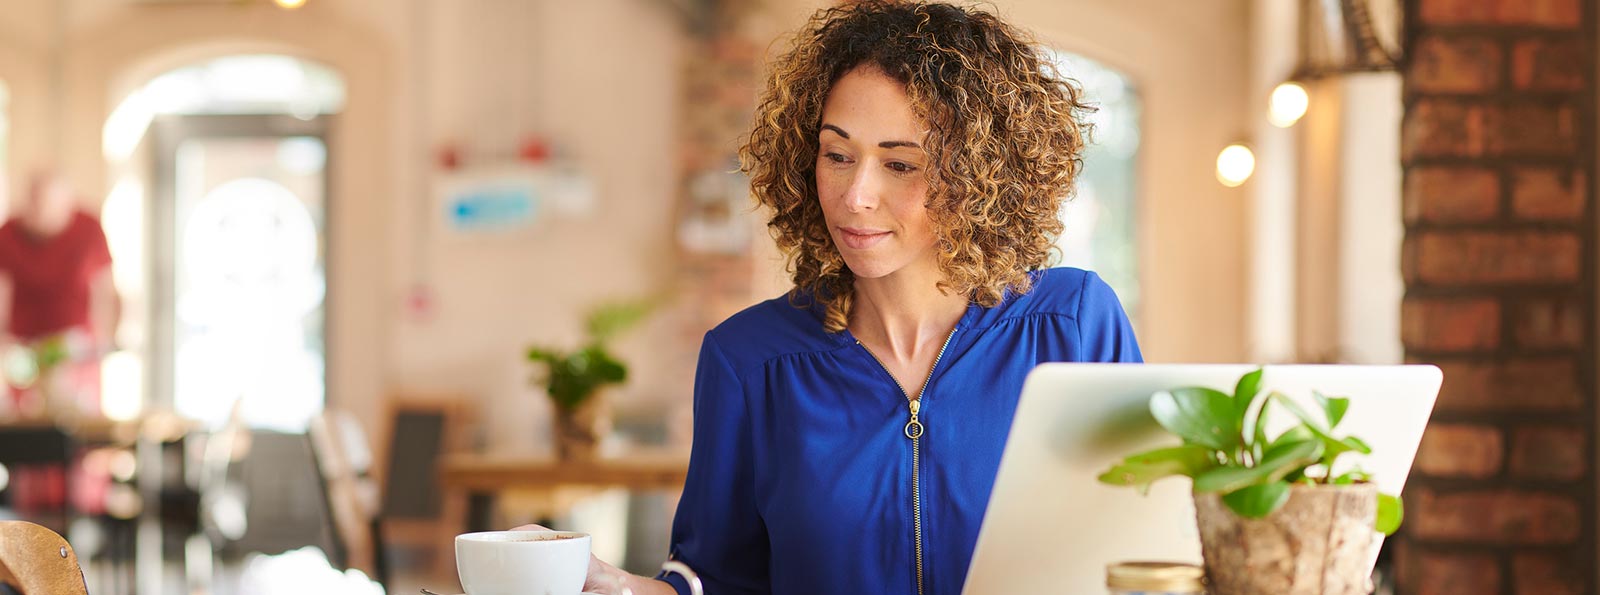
[[1051, 527]]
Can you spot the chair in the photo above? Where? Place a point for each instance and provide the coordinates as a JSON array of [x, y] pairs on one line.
[[41, 443], [344, 462], [221, 519], [37, 561], [417, 514]]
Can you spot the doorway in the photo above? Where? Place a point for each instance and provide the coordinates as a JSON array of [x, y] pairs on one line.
[[239, 226]]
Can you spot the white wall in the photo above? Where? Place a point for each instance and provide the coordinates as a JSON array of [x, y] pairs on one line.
[[1371, 229], [1317, 223], [602, 79], [1272, 308], [612, 101], [24, 68], [1189, 61], [418, 74]]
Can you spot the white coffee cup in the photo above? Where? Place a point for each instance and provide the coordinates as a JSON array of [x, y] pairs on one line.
[[522, 562]]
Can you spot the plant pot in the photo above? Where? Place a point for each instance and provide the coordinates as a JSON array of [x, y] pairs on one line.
[[1317, 544], [579, 430]]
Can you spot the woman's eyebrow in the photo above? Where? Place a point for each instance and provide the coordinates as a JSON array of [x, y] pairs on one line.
[[888, 144]]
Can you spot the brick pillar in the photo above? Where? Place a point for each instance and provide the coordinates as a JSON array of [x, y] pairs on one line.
[[1498, 145], [719, 101], [721, 70]]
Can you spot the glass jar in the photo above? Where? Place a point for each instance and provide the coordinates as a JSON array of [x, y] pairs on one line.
[[1155, 578]]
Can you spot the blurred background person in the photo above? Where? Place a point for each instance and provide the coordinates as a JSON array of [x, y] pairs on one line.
[[57, 301]]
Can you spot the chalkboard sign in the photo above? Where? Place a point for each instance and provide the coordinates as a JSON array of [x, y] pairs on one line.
[[415, 444]]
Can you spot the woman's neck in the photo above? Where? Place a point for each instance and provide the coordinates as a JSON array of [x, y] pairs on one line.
[[904, 313]]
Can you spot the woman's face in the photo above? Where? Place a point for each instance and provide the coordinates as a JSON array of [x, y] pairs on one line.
[[871, 179]]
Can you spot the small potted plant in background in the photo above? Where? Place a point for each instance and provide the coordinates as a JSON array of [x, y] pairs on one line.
[[1274, 517], [31, 368], [575, 380]]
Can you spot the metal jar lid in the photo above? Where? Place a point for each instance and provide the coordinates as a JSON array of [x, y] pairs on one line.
[[1171, 577]]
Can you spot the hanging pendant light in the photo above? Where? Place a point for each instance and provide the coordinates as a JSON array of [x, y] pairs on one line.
[[1235, 164], [1288, 104], [1336, 37]]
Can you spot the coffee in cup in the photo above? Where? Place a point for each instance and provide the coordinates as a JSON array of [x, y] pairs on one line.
[[522, 562]]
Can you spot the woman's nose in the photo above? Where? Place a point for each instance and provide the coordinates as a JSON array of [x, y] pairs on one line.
[[862, 194]]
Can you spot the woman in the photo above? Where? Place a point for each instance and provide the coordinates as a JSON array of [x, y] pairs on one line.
[[846, 436]]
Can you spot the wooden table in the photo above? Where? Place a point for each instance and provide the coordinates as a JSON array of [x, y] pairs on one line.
[[492, 473], [95, 430], [482, 477], [100, 430]]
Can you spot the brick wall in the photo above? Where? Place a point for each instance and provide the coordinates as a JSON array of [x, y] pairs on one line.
[[722, 79], [720, 71], [1498, 145]]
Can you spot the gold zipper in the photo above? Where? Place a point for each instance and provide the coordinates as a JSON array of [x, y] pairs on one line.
[[914, 430]]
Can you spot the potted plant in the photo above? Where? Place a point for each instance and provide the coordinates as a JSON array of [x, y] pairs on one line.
[[31, 369], [575, 379], [1274, 518]]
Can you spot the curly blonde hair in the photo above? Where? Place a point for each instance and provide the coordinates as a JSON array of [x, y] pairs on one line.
[[1005, 142]]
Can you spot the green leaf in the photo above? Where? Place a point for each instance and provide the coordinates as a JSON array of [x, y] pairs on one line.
[[572, 378], [1391, 511], [1356, 444], [1351, 478], [1142, 469], [1198, 415], [1334, 407], [542, 355], [607, 321], [1277, 463], [1259, 441], [1298, 433], [1257, 501], [1333, 447], [1311, 423], [1244, 393]]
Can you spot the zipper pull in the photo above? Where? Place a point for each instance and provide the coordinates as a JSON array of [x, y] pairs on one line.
[[914, 428]]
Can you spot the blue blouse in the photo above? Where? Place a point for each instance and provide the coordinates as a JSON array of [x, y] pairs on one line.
[[803, 478]]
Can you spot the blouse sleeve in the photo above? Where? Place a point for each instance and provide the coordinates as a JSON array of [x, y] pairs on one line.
[[718, 531], [1104, 331], [97, 251]]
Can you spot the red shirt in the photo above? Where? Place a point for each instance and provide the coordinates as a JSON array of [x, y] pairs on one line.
[[50, 277]]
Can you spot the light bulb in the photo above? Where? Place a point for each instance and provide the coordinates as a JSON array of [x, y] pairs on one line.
[[1235, 164], [1287, 104]]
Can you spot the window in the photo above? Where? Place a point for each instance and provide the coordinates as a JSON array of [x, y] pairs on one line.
[[1100, 232], [235, 247]]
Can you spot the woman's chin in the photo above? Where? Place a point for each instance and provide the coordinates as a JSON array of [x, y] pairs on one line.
[[871, 270]]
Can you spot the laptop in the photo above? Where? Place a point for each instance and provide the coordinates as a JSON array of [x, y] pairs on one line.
[[1051, 527]]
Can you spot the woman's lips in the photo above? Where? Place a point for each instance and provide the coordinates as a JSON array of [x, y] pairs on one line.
[[861, 239]]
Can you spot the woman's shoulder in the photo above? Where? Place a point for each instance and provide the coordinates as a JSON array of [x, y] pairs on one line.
[[1060, 292], [779, 326]]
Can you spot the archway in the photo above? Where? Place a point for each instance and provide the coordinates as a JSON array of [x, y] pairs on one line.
[[103, 65], [225, 261]]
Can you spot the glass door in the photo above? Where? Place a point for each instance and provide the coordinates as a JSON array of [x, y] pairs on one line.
[[243, 203]]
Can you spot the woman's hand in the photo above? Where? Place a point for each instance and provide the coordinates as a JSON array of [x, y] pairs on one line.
[[610, 580]]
